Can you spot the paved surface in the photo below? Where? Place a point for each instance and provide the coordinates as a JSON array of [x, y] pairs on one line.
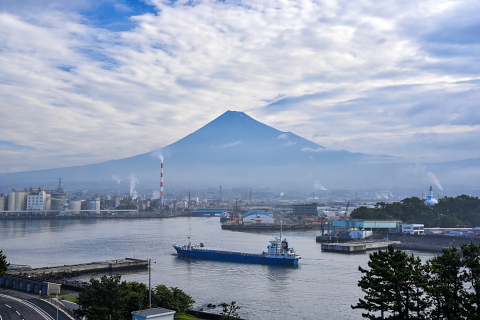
[[21, 306]]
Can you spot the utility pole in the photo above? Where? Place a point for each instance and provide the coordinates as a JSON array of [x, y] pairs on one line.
[[149, 284]]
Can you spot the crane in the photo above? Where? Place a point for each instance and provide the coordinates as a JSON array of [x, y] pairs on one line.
[[345, 214]]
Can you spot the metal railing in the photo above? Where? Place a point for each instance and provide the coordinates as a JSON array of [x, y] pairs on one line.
[[60, 306]]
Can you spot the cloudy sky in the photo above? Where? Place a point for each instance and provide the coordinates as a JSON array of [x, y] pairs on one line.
[[84, 81]]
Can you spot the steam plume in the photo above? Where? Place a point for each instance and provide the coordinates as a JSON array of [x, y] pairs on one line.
[[116, 178], [318, 186], [133, 184], [434, 180], [158, 154]]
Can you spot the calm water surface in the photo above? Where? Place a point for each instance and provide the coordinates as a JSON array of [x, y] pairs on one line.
[[324, 285]]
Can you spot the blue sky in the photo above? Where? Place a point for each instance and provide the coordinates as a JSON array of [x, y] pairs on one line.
[[86, 81]]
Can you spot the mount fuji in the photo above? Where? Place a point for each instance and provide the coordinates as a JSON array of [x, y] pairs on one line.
[[237, 150]]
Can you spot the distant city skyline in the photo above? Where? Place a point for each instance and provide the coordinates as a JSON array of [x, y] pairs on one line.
[[84, 81]]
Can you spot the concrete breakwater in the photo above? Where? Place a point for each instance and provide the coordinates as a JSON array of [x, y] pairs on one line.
[[270, 227], [356, 246], [60, 272]]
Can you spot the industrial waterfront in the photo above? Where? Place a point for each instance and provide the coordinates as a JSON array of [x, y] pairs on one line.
[[323, 285]]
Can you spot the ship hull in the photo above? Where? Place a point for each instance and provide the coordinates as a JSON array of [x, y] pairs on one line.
[[235, 257]]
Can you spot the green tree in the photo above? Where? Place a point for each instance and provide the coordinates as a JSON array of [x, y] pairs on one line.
[[110, 298], [471, 278], [229, 311], [136, 296], [393, 286], [3, 263], [172, 298], [369, 214], [449, 212], [445, 286]]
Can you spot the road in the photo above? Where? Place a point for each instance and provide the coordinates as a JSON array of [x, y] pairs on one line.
[[16, 305]]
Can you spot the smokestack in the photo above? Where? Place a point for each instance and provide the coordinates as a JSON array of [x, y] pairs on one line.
[[161, 184]]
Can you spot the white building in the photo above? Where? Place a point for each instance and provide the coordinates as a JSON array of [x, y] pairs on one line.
[[258, 217], [413, 228], [151, 314], [37, 202]]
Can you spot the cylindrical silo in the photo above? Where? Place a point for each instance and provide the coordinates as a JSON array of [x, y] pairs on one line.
[[21, 199], [93, 204], [74, 206], [2, 202], [57, 199], [116, 201], [11, 201]]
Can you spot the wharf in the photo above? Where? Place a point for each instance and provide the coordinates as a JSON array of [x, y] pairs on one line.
[[268, 227], [357, 246], [76, 269]]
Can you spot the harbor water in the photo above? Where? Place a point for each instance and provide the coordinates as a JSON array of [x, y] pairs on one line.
[[322, 286]]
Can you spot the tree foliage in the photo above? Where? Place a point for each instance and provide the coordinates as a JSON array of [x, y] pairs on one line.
[[3, 263], [393, 284], [229, 311], [449, 212], [400, 286], [110, 298], [172, 298]]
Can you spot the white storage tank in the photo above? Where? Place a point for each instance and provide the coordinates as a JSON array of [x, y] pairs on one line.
[[93, 204], [11, 201], [2, 202], [57, 199], [74, 206]]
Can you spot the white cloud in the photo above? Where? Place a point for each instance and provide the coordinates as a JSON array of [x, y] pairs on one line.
[[362, 76], [227, 145], [313, 150]]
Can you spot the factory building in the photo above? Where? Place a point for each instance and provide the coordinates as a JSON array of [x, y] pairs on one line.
[[38, 201], [58, 197], [308, 209]]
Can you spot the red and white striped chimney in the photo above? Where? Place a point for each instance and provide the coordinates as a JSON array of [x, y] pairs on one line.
[[161, 184]]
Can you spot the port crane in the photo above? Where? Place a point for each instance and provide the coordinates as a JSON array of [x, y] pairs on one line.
[[345, 214]]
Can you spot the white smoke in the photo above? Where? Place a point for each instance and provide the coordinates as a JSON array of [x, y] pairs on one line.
[[434, 180], [116, 178], [155, 194], [318, 186], [281, 194], [158, 154], [133, 184]]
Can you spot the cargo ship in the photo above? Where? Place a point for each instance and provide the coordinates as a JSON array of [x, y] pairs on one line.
[[277, 252]]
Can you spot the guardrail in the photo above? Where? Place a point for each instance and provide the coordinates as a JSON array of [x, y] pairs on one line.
[[60, 306]]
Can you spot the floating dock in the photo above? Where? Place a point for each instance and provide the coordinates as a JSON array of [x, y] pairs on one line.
[[356, 247], [99, 266]]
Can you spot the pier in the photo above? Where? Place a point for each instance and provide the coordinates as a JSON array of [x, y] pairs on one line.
[[357, 246], [269, 227], [76, 269]]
